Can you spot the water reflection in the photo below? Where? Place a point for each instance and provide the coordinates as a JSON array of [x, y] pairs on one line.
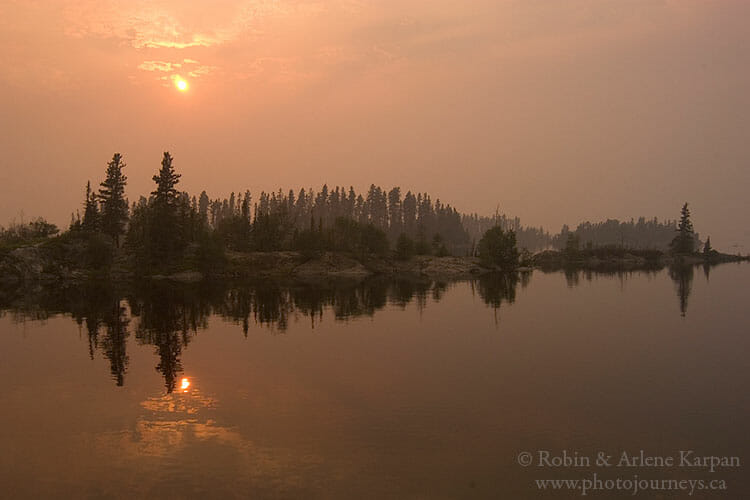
[[95, 307], [680, 273], [682, 276], [167, 316], [496, 288]]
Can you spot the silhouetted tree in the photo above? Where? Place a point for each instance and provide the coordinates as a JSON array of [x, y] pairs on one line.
[[90, 221], [166, 180], [409, 209], [404, 247], [165, 231], [498, 248], [684, 242], [395, 213], [203, 204], [114, 213], [162, 227]]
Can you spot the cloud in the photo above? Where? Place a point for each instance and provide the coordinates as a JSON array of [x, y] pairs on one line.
[[169, 25], [159, 66], [188, 67]]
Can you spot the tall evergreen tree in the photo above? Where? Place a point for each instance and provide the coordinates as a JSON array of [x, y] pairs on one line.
[[684, 242], [166, 180], [166, 234], [395, 213], [203, 206], [90, 211], [112, 197]]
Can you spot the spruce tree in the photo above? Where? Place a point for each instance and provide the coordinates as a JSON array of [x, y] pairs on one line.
[[684, 242], [114, 213], [90, 221], [203, 204], [166, 180], [166, 233]]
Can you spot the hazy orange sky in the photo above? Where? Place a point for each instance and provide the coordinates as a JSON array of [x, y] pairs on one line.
[[559, 111]]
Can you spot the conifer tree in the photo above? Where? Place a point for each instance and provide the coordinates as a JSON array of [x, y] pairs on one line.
[[203, 204], [165, 225], [166, 180], [684, 242], [114, 213], [90, 221]]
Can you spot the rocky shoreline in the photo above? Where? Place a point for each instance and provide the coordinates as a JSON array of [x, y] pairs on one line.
[[36, 263], [30, 264]]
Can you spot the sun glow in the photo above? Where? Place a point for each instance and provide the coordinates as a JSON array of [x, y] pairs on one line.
[[181, 84], [184, 384]]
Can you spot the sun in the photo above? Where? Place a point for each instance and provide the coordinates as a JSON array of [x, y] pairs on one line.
[[181, 84]]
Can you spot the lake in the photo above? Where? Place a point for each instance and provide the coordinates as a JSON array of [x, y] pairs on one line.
[[378, 389]]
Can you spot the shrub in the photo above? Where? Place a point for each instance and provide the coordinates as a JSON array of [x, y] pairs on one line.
[[438, 246], [374, 240], [498, 248], [404, 247], [18, 234], [421, 247]]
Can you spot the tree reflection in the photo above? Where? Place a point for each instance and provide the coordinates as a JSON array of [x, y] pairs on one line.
[[98, 306], [115, 341], [496, 288], [167, 316], [682, 276], [572, 276]]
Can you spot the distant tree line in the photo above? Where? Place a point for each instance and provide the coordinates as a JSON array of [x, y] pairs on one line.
[[527, 237], [641, 234], [37, 229], [169, 225], [280, 220]]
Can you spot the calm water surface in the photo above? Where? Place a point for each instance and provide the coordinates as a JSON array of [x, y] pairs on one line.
[[374, 390]]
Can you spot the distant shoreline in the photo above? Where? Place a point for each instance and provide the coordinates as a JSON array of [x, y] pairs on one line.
[[38, 264]]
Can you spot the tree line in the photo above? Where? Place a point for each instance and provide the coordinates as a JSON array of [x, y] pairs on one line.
[[169, 223], [170, 226], [528, 237], [275, 220], [641, 234]]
